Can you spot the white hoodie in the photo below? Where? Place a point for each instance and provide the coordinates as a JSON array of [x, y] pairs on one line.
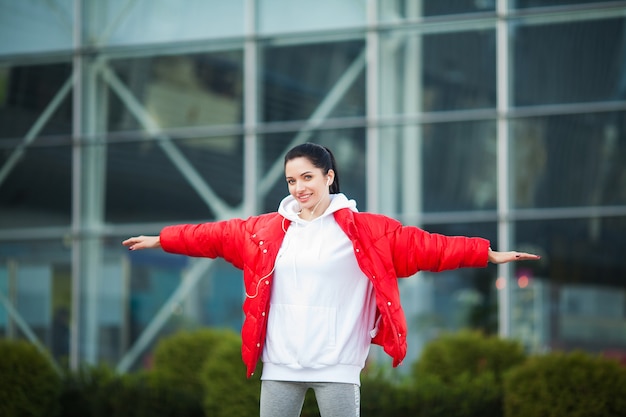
[[322, 306]]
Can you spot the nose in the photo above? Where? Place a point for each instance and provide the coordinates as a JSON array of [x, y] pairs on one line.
[[299, 185]]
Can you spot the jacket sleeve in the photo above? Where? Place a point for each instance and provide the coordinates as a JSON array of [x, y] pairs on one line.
[[209, 240], [418, 250]]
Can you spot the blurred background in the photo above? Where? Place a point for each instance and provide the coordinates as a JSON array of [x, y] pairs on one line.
[[493, 118]]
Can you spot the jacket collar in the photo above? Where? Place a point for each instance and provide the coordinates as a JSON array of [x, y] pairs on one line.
[[345, 219]]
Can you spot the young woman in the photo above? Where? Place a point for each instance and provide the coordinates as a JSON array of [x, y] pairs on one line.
[[321, 283]]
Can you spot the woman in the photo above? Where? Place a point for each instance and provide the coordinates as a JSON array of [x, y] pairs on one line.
[[321, 283]]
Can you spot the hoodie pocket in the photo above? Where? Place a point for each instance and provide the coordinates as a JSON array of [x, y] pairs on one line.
[[301, 336]]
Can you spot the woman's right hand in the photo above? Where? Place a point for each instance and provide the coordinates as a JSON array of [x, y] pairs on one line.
[[142, 242]]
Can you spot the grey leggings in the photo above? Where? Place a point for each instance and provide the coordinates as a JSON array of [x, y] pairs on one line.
[[285, 399]]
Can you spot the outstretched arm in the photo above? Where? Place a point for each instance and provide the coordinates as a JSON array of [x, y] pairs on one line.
[[496, 257], [142, 242]]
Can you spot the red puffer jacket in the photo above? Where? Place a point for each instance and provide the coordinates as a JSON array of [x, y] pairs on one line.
[[384, 248]]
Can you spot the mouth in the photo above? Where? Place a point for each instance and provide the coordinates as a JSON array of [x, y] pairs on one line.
[[303, 198]]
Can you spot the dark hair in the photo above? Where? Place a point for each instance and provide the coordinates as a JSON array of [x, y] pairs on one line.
[[320, 156]]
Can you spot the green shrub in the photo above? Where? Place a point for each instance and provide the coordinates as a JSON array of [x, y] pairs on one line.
[[86, 392], [464, 396], [29, 384], [227, 391], [572, 384], [180, 357], [99, 392], [382, 396], [174, 387], [470, 352], [462, 374], [151, 394]]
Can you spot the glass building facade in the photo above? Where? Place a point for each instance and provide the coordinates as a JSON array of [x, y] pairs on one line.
[[496, 118]]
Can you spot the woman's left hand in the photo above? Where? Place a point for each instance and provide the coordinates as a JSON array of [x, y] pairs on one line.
[[496, 257]]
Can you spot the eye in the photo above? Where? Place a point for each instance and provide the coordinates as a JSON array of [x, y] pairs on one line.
[[308, 177], [291, 181]]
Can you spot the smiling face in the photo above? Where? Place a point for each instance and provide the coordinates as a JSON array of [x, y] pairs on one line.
[[309, 186]]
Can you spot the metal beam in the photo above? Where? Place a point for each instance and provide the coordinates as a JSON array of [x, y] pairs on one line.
[[77, 129], [503, 180], [412, 190], [372, 146], [251, 111]]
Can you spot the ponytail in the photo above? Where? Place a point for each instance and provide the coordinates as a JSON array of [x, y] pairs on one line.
[[334, 187]]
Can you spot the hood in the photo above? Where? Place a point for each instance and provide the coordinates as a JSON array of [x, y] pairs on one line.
[[289, 207]]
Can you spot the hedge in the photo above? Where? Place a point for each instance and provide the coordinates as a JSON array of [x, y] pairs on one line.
[[574, 384], [181, 356], [462, 374], [200, 373], [471, 352], [227, 391], [29, 384], [86, 392]]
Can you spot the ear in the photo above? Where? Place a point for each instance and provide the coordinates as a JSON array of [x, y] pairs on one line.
[[331, 177]]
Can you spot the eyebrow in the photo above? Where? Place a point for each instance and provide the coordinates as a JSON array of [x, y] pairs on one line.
[[303, 173]]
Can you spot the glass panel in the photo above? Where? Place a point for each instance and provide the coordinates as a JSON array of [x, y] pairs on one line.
[[148, 182], [348, 146], [36, 190], [193, 90], [460, 166], [394, 10], [575, 297], [549, 68], [455, 161], [523, 4], [36, 26], [26, 92], [280, 16], [35, 279], [151, 279], [120, 22], [459, 70], [451, 300], [572, 160], [437, 72], [298, 79]]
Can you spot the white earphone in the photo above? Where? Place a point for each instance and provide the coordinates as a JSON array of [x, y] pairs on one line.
[[328, 182]]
